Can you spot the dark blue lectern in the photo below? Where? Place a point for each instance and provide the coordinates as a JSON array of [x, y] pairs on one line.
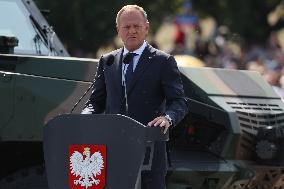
[[124, 138]]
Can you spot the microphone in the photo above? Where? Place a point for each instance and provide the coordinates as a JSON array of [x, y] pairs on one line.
[[126, 60], [109, 62]]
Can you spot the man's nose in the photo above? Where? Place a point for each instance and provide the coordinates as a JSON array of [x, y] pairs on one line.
[[132, 29]]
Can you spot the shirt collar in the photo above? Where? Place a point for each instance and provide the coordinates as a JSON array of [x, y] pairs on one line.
[[137, 51]]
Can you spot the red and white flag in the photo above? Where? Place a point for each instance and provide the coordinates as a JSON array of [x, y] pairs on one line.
[[87, 166]]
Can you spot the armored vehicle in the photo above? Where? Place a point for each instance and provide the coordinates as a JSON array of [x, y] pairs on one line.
[[38, 80], [231, 138]]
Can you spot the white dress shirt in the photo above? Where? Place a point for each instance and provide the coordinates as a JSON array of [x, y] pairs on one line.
[[135, 59]]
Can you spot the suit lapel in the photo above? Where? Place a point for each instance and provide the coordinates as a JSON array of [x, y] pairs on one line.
[[143, 63], [117, 74]]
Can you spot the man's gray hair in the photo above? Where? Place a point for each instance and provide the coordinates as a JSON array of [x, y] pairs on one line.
[[127, 7]]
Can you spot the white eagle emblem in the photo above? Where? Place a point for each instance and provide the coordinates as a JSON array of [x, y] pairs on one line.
[[87, 169]]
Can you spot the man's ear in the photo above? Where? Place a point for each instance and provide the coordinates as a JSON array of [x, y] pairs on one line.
[[117, 29], [147, 27]]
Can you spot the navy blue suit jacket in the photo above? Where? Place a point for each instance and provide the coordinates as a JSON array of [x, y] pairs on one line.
[[156, 89]]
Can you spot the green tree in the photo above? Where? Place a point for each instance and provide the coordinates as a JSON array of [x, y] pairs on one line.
[[247, 18], [89, 24]]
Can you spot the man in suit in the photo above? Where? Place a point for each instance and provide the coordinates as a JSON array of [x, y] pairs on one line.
[[141, 82]]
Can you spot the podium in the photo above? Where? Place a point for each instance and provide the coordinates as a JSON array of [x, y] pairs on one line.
[[123, 139]]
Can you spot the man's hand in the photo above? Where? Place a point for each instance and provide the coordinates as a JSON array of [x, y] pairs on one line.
[[160, 121]]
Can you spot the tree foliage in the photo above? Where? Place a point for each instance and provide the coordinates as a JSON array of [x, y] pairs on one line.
[[245, 18], [88, 24]]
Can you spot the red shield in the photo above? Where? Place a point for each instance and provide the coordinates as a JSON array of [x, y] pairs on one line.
[[87, 166]]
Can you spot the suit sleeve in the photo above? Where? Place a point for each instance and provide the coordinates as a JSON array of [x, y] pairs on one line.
[[97, 101], [176, 105]]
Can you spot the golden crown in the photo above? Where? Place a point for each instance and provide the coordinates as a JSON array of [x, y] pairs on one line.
[[86, 149]]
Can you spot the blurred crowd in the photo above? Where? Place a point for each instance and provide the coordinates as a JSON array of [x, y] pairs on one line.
[[225, 50]]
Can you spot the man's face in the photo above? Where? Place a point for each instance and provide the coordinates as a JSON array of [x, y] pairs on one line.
[[132, 29]]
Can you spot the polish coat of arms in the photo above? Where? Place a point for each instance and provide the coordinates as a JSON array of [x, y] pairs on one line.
[[87, 165]]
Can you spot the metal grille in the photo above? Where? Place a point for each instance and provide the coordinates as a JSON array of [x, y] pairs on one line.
[[254, 106], [252, 116]]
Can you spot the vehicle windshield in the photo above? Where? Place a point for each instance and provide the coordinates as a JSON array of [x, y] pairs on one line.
[[15, 22]]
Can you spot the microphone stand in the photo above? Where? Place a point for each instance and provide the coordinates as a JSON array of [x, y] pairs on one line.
[[81, 98], [126, 60], [109, 62]]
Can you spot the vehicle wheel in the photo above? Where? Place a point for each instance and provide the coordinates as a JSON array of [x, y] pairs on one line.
[[30, 178]]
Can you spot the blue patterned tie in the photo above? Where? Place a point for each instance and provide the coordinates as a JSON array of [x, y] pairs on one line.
[[129, 71]]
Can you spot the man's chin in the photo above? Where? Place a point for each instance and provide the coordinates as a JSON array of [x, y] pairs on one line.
[[132, 46]]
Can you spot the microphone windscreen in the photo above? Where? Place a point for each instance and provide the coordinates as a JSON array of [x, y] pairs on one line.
[[110, 60], [127, 58]]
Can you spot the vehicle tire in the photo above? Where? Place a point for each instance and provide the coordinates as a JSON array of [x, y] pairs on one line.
[[30, 178]]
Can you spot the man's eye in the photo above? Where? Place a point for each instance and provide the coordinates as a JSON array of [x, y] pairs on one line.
[[136, 27], [126, 27]]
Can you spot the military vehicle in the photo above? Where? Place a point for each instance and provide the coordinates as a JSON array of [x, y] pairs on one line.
[[38, 80], [231, 138]]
